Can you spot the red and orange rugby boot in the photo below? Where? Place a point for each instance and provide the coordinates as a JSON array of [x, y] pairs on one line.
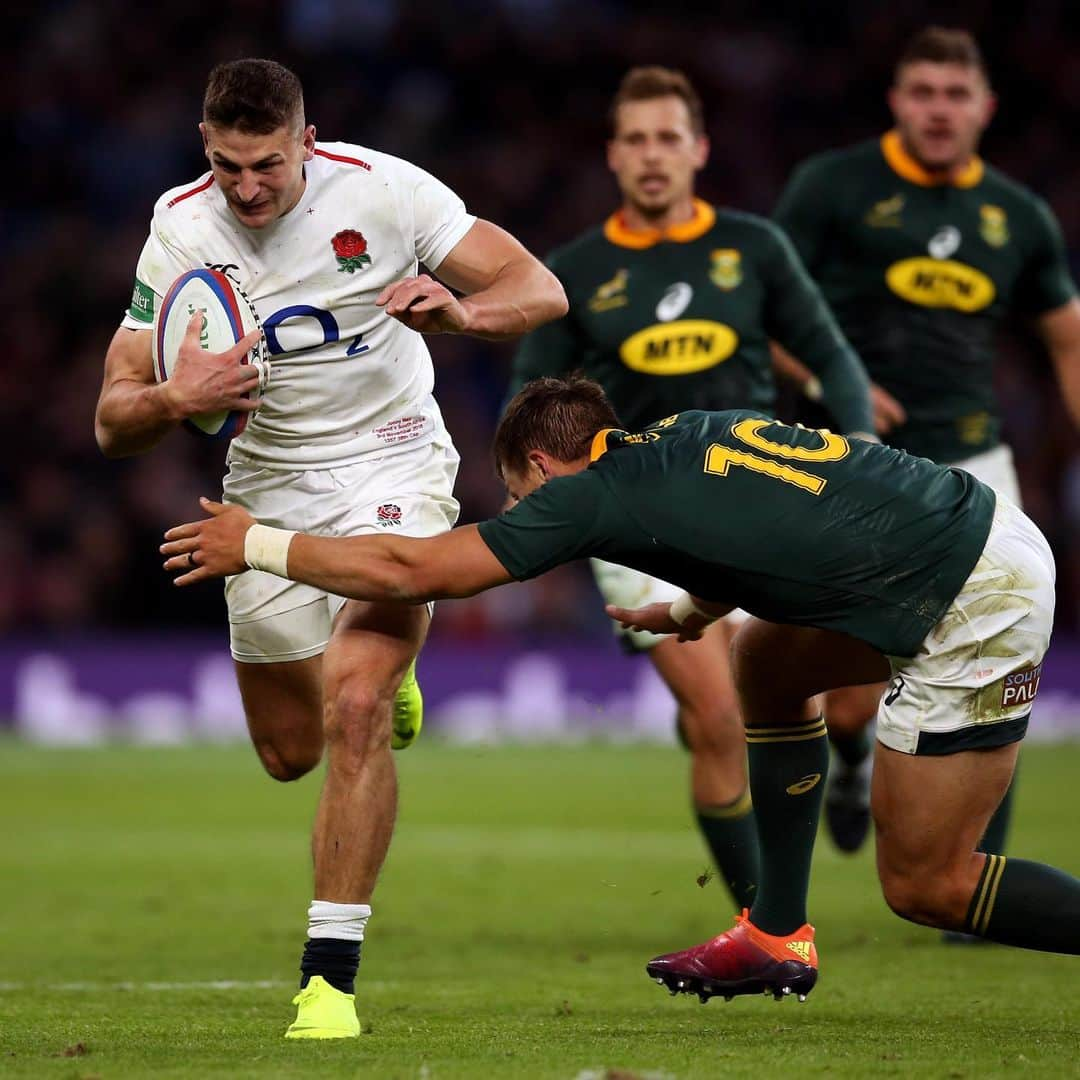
[[743, 960]]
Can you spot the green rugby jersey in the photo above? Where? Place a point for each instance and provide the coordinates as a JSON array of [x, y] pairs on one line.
[[919, 274], [792, 524], [682, 320]]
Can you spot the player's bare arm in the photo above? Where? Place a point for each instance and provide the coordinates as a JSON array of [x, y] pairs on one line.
[[1060, 332], [686, 616], [506, 290], [397, 568], [134, 412]]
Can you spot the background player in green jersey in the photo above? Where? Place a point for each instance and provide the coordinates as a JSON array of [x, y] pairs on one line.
[[859, 560], [922, 249], [672, 305]]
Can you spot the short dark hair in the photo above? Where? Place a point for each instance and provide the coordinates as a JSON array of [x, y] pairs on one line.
[[558, 416], [647, 83], [941, 45], [255, 97]]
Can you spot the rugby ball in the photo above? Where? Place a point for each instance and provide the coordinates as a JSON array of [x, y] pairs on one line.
[[227, 317]]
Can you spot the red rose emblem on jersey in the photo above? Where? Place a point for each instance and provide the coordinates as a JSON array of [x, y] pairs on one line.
[[350, 250], [388, 514]]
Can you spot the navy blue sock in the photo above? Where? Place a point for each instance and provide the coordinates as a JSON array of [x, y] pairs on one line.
[[335, 960]]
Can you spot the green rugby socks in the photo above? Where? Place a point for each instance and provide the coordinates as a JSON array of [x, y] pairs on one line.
[[788, 766], [731, 833], [1027, 904]]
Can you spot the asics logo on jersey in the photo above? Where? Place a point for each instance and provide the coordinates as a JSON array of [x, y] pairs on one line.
[[944, 242], [801, 787], [675, 301]]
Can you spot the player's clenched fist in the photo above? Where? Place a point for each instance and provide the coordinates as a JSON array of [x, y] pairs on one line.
[[213, 547], [203, 381], [424, 304]]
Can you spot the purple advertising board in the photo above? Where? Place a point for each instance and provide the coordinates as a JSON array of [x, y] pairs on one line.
[[174, 689]]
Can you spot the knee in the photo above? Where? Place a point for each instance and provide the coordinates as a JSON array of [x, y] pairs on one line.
[[848, 714], [288, 762], [932, 898], [358, 718], [713, 731]]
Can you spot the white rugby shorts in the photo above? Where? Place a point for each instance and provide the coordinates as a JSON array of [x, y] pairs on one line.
[[994, 468], [976, 674], [628, 588], [405, 493]]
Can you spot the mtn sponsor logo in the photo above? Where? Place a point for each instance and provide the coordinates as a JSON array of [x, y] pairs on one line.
[[940, 283], [679, 348]]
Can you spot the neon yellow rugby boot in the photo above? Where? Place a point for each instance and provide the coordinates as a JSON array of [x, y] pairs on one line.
[[408, 710], [324, 1013]]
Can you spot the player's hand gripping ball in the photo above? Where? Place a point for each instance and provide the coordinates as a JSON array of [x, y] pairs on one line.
[[208, 340]]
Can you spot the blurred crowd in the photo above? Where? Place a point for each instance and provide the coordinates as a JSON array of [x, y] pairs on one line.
[[506, 102]]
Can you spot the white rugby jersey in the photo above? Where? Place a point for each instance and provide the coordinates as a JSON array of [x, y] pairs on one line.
[[346, 380]]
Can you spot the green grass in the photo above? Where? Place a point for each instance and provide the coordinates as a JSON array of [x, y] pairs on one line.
[[524, 892]]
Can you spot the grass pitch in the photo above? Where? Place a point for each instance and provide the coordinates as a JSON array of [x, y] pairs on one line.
[[153, 908]]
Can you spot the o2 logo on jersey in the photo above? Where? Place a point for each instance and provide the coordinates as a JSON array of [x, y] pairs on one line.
[[314, 326]]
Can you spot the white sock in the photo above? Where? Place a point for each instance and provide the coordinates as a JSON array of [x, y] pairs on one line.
[[343, 921]]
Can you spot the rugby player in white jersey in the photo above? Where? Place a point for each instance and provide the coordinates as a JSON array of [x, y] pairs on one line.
[[325, 240]]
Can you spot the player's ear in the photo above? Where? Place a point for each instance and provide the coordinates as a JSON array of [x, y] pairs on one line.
[[891, 96], [610, 153], [539, 464], [308, 139], [205, 140], [701, 151]]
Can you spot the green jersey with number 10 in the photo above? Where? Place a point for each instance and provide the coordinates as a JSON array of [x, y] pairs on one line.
[[792, 524]]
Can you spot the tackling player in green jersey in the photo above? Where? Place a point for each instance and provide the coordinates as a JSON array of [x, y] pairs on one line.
[[922, 249], [672, 305], [860, 562]]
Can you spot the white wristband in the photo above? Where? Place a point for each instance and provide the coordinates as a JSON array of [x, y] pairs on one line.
[[683, 606], [268, 549], [813, 389]]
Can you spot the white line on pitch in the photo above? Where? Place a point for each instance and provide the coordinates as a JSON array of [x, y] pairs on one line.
[[213, 984]]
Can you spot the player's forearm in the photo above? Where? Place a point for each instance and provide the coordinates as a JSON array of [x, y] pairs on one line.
[[133, 417], [524, 295], [375, 568]]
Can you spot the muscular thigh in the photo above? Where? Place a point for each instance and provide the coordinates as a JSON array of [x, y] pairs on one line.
[[931, 811], [369, 651]]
